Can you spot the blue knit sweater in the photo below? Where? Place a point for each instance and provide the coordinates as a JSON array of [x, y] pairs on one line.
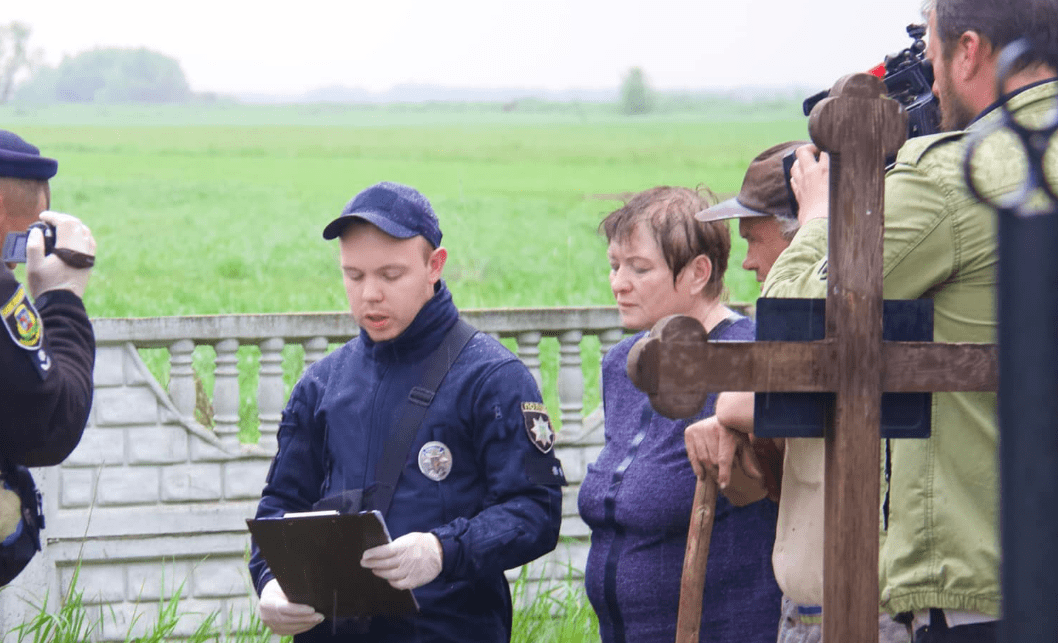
[[637, 498]]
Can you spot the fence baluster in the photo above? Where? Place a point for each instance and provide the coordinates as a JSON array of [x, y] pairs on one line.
[[609, 338], [226, 393], [182, 377], [270, 391], [529, 353], [315, 350], [570, 380]]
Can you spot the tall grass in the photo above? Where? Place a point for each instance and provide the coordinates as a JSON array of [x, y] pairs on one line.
[[75, 621], [558, 612], [555, 613]]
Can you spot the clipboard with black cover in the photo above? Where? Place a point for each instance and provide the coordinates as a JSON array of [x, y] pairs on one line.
[[316, 559]]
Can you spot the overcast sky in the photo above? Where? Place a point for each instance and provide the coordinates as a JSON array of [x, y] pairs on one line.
[[235, 46]]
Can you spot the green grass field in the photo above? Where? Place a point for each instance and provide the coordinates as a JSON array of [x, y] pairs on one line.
[[218, 209]]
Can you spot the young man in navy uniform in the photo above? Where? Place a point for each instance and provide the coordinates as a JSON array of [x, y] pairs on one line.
[[479, 491], [47, 347]]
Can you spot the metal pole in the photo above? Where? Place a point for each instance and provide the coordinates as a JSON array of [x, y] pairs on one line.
[[1028, 425], [1027, 314]]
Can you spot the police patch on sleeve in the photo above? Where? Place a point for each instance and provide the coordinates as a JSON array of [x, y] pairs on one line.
[[22, 321], [538, 426]]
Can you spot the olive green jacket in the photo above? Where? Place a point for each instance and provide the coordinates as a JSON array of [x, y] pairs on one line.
[[942, 545]]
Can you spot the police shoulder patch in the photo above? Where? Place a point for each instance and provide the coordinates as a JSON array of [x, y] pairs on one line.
[[538, 426], [22, 321]]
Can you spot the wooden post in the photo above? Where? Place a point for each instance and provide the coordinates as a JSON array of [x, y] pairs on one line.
[[860, 131], [692, 582]]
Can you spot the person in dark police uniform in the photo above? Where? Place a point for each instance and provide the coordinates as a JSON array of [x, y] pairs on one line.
[[47, 347], [479, 490]]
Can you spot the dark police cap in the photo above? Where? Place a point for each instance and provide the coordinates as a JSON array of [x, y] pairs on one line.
[[20, 160], [398, 210], [763, 192]]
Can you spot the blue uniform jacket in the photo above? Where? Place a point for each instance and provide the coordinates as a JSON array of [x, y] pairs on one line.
[[500, 505], [46, 362]]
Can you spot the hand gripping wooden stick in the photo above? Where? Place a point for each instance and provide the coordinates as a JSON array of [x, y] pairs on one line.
[[692, 583]]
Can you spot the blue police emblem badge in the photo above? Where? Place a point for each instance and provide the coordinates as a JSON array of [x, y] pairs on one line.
[[22, 321], [435, 460], [538, 426]]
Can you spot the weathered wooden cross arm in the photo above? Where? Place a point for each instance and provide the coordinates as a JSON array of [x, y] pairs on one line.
[[694, 367]]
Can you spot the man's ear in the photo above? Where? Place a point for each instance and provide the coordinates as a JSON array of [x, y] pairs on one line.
[[973, 55], [4, 216], [436, 263]]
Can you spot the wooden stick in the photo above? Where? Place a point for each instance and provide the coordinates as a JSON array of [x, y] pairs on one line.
[[692, 583]]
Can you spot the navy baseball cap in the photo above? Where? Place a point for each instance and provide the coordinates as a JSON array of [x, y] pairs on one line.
[[764, 192], [20, 160], [397, 210]]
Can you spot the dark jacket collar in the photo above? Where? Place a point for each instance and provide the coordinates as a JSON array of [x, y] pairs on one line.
[[424, 333]]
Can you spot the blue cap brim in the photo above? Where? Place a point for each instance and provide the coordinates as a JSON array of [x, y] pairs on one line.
[[27, 166], [334, 228]]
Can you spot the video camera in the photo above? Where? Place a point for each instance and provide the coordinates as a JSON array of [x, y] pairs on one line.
[[908, 78], [14, 250], [15, 243]]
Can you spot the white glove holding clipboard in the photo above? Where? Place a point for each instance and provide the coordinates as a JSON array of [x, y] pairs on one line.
[[408, 562], [315, 557], [283, 617]]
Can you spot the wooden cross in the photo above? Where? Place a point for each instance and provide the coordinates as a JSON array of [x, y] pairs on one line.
[[677, 367]]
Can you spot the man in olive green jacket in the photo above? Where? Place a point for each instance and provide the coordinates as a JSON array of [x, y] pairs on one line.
[[939, 558]]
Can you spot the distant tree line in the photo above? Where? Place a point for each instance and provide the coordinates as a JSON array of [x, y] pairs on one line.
[[115, 75], [636, 95], [110, 75], [15, 57]]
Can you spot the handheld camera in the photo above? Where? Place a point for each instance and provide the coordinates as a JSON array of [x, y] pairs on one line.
[[908, 78], [15, 243], [787, 163], [15, 248]]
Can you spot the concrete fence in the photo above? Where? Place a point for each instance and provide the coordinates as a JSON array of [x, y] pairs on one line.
[[153, 503]]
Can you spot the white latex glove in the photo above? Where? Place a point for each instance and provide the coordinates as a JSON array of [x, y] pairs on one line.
[[283, 617], [51, 272], [408, 562]]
